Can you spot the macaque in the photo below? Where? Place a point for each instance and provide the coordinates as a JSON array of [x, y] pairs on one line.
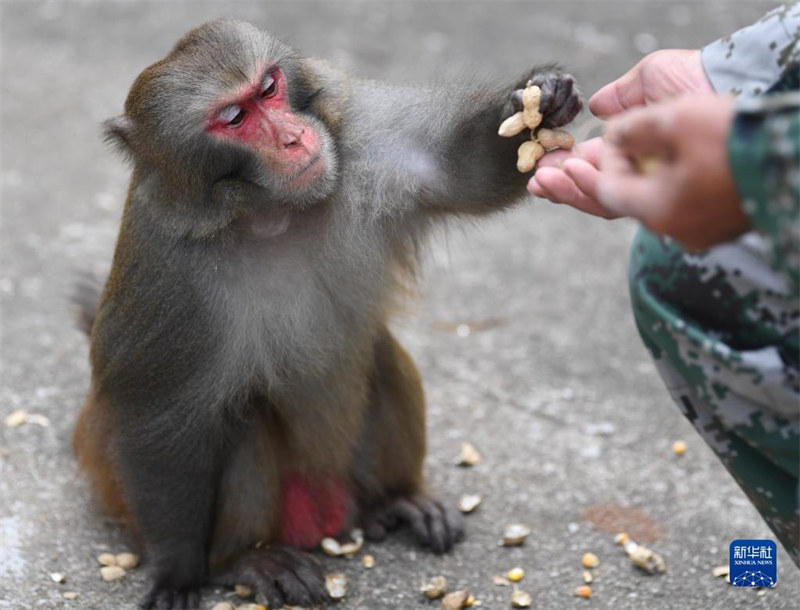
[[247, 396]]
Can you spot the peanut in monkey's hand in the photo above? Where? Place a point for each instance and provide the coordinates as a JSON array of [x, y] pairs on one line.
[[542, 140], [531, 100]]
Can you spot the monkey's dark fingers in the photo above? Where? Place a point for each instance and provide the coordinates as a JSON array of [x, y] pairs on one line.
[[407, 512], [255, 570], [379, 522], [267, 591], [295, 589], [185, 599], [389, 518], [513, 104], [279, 575], [560, 101], [563, 114], [170, 599], [154, 597], [548, 82], [444, 525], [309, 573], [455, 523], [192, 599], [437, 527], [375, 531]]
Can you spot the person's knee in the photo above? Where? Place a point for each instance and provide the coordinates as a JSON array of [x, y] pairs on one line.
[[726, 291], [657, 278]]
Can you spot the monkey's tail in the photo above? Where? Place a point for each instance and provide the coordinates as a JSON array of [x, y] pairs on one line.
[[85, 298]]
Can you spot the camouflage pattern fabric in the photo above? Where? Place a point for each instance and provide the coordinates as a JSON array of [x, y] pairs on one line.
[[749, 62], [724, 325]]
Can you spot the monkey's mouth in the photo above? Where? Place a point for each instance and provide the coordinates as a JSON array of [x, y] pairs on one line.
[[304, 175]]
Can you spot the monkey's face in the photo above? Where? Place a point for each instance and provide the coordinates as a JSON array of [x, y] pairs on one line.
[[294, 148], [230, 101]]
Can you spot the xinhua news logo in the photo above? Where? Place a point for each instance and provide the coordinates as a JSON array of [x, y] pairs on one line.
[[753, 563]]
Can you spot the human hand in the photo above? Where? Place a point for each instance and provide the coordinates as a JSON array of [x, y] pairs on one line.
[[690, 195], [571, 178], [660, 76]]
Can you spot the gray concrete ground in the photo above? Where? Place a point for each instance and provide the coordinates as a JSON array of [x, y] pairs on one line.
[[552, 386]]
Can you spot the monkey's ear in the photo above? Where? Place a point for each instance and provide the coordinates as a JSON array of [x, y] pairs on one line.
[[119, 133]]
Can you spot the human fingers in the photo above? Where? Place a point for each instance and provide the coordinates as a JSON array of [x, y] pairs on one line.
[[624, 191], [660, 76], [644, 132], [589, 150], [619, 95], [556, 186], [554, 158], [584, 175]]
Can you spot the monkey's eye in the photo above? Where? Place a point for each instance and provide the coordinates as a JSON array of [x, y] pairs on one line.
[[269, 87], [232, 115]]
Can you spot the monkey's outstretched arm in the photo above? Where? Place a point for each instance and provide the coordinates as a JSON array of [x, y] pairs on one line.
[[444, 145], [481, 167]]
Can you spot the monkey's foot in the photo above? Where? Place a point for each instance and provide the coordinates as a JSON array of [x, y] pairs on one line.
[[279, 576], [173, 599], [434, 525]]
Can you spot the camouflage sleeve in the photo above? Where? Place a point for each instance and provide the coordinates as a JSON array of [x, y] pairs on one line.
[[764, 153], [749, 62]]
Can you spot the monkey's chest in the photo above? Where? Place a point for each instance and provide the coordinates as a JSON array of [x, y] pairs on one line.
[[301, 316]]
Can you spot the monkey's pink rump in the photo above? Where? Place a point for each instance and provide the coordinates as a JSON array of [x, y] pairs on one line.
[[311, 510]]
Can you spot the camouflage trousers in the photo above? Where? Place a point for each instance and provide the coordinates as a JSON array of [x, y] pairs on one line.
[[723, 330]]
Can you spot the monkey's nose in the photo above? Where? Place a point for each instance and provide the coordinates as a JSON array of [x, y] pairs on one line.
[[291, 137]]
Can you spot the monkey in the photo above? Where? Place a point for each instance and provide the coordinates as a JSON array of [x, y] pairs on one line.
[[247, 397]]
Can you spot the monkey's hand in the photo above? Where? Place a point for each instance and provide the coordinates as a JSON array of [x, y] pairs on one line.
[[560, 101], [278, 575], [434, 525]]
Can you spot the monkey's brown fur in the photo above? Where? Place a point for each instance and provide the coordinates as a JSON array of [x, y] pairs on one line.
[[247, 396]]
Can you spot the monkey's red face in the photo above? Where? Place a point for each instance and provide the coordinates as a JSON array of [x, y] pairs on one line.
[[259, 116]]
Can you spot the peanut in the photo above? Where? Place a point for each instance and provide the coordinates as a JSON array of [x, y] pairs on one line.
[[590, 560], [515, 574], [679, 447], [110, 573], [512, 125], [521, 599], [647, 165], [455, 600], [336, 585], [531, 97], [530, 117], [621, 538], [126, 560], [107, 559], [528, 154], [555, 138], [435, 588], [583, 591]]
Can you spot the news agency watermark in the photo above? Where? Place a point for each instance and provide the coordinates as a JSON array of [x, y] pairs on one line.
[[753, 563]]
